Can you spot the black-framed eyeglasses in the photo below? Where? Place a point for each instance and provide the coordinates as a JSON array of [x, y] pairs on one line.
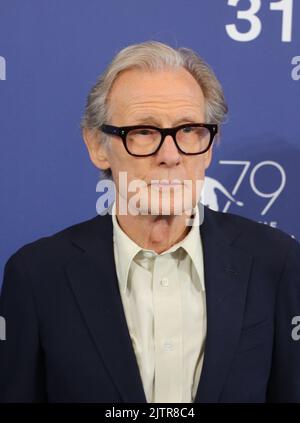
[[145, 140]]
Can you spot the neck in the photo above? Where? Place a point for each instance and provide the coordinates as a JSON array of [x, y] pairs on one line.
[[154, 232]]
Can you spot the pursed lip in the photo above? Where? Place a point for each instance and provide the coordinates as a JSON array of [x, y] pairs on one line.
[[164, 183]]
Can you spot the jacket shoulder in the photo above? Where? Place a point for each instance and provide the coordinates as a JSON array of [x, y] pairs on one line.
[[252, 234], [55, 245]]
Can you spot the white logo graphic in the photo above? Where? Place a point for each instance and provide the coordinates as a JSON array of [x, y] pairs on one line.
[[2, 69], [157, 197], [209, 196], [212, 186], [296, 69], [296, 329]]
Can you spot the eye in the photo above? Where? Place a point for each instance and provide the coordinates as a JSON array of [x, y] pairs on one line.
[[142, 131], [188, 129]]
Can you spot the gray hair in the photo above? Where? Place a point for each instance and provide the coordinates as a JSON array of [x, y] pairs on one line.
[[152, 56]]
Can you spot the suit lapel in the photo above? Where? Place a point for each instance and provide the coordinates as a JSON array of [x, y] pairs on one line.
[[226, 272], [93, 279]]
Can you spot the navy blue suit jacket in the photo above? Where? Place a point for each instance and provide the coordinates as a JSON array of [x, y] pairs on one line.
[[67, 337]]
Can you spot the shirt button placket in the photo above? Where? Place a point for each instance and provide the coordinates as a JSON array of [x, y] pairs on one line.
[[167, 331]]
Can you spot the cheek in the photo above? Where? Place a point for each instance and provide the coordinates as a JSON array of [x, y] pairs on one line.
[[207, 158], [138, 167], [134, 167], [118, 158], [195, 167]]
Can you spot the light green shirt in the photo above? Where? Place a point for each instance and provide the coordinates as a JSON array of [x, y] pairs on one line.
[[163, 297]]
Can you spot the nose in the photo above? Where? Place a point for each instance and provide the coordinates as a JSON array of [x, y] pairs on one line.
[[168, 154]]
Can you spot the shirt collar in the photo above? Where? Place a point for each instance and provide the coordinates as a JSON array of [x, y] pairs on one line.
[[126, 249]]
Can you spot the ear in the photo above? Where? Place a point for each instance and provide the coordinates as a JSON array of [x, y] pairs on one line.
[[96, 149], [207, 158]]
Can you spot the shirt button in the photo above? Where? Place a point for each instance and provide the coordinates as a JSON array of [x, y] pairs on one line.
[[164, 282], [168, 346]]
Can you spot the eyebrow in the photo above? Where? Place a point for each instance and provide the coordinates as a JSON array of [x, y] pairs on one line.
[[152, 120]]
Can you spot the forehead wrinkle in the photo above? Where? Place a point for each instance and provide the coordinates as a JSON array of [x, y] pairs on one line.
[[139, 89], [139, 107], [132, 98], [156, 116], [165, 98], [161, 106], [140, 110], [165, 102], [133, 105], [147, 107]]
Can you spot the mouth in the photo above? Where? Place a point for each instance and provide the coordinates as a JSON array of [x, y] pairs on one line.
[[165, 184]]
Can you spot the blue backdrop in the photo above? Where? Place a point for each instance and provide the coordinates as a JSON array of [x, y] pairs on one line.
[[51, 52]]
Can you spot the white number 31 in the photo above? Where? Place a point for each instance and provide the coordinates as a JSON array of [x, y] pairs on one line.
[[250, 15]]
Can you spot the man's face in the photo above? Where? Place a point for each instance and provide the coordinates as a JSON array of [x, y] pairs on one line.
[[164, 99]]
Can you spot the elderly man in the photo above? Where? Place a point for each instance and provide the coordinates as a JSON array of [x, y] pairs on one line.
[[152, 304]]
